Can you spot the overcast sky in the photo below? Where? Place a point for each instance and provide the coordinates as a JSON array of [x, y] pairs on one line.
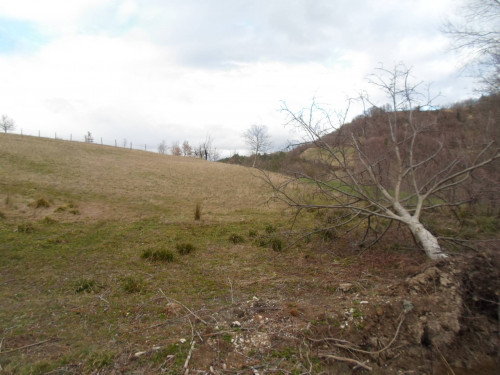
[[176, 70]]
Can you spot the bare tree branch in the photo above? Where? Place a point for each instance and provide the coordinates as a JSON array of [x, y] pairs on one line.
[[393, 167]]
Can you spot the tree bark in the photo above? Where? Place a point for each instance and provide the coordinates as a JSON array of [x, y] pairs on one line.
[[427, 240]]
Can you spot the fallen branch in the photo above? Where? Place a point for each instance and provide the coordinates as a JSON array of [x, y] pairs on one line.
[[26, 346], [186, 364], [349, 360], [191, 312], [350, 346], [216, 333], [231, 286], [444, 360], [188, 358]]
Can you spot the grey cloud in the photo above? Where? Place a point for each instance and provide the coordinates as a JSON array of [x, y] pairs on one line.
[[219, 33]]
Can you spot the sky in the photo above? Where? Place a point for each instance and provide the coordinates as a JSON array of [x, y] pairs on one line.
[[176, 70]]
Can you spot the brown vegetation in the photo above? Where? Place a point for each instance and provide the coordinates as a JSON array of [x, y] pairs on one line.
[[91, 284]]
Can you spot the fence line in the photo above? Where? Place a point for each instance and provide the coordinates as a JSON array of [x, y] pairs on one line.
[[91, 140]]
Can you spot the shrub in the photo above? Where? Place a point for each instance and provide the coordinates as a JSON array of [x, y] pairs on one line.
[[252, 233], [164, 256], [147, 254], [40, 203], [276, 244], [185, 248], [328, 235], [48, 220], [236, 238], [70, 207], [261, 242], [132, 285], [197, 211], [158, 255], [86, 285], [486, 224], [25, 228], [270, 228]]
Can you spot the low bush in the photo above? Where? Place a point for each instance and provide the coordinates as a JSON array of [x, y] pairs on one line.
[[48, 220], [486, 224], [185, 248], [276, 244], [197, 211], [270, 228], [25, 228], [158, 255], [84, 285], [236, 238], [131, 284], [252, 233], [42, 203], [261, 241]]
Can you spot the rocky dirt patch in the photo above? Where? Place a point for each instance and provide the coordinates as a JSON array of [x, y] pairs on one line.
[[441, 320]]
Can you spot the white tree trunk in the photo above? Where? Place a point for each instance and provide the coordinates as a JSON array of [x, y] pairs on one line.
[[427, 240]]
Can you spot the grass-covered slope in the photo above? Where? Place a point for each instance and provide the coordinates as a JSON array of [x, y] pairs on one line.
[[104, 270], [77, 222], [116, 183]]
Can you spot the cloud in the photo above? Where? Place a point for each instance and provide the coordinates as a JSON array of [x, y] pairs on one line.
[[151, 70]]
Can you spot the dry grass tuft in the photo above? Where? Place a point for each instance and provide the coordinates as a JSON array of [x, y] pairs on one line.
[[197, 211]]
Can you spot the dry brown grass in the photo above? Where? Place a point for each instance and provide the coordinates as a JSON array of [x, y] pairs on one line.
[[114, 183]]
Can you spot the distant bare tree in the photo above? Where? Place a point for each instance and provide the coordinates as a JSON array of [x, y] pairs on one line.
[[162, 147], [394, 169], [205, 150], [258, 139], [175, 149], [187, 150], [7, 124], [125, 143], [89, 138], [479, 34]]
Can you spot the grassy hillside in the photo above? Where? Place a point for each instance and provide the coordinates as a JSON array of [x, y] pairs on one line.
[[75, 222], [115, 183], [104, 270]]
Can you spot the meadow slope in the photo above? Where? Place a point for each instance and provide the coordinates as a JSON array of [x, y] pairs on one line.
[[104, 270]]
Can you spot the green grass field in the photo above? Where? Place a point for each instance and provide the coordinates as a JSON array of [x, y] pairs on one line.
[[104, 269]]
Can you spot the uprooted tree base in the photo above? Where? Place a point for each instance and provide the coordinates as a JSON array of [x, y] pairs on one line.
[[445, 321]]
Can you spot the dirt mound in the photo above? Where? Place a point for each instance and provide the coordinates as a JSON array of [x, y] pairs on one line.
[[443, 320]]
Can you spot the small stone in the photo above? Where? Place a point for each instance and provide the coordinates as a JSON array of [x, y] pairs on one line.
[[138, 354], [345, 287], [407, 306], [235, 324], [363, 302], [183, 341], [255, 298]]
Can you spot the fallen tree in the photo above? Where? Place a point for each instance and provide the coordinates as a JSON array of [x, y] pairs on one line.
[[393, 166]]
